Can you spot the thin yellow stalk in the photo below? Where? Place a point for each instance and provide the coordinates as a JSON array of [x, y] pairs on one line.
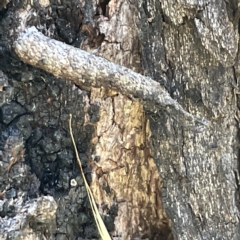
[[99, 222]]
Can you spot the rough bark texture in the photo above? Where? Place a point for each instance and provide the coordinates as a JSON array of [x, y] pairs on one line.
[[111, 131], [189, 47], [199, 170], [87, 70]]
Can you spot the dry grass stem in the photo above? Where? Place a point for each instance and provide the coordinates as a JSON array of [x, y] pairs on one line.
[[99, 222]]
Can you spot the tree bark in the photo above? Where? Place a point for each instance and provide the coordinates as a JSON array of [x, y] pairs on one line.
[[137, 162], [78, 66]]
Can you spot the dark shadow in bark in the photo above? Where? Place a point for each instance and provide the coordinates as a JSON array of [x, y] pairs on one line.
[[37, 116]]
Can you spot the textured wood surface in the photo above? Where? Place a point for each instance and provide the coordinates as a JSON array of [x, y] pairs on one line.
[[86, 69]]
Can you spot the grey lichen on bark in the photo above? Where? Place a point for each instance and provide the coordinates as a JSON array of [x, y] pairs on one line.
[[31, 218], [212, 22], [82, 68]]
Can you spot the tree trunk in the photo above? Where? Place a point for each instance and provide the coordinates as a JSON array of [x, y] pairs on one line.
[[151, 177]]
